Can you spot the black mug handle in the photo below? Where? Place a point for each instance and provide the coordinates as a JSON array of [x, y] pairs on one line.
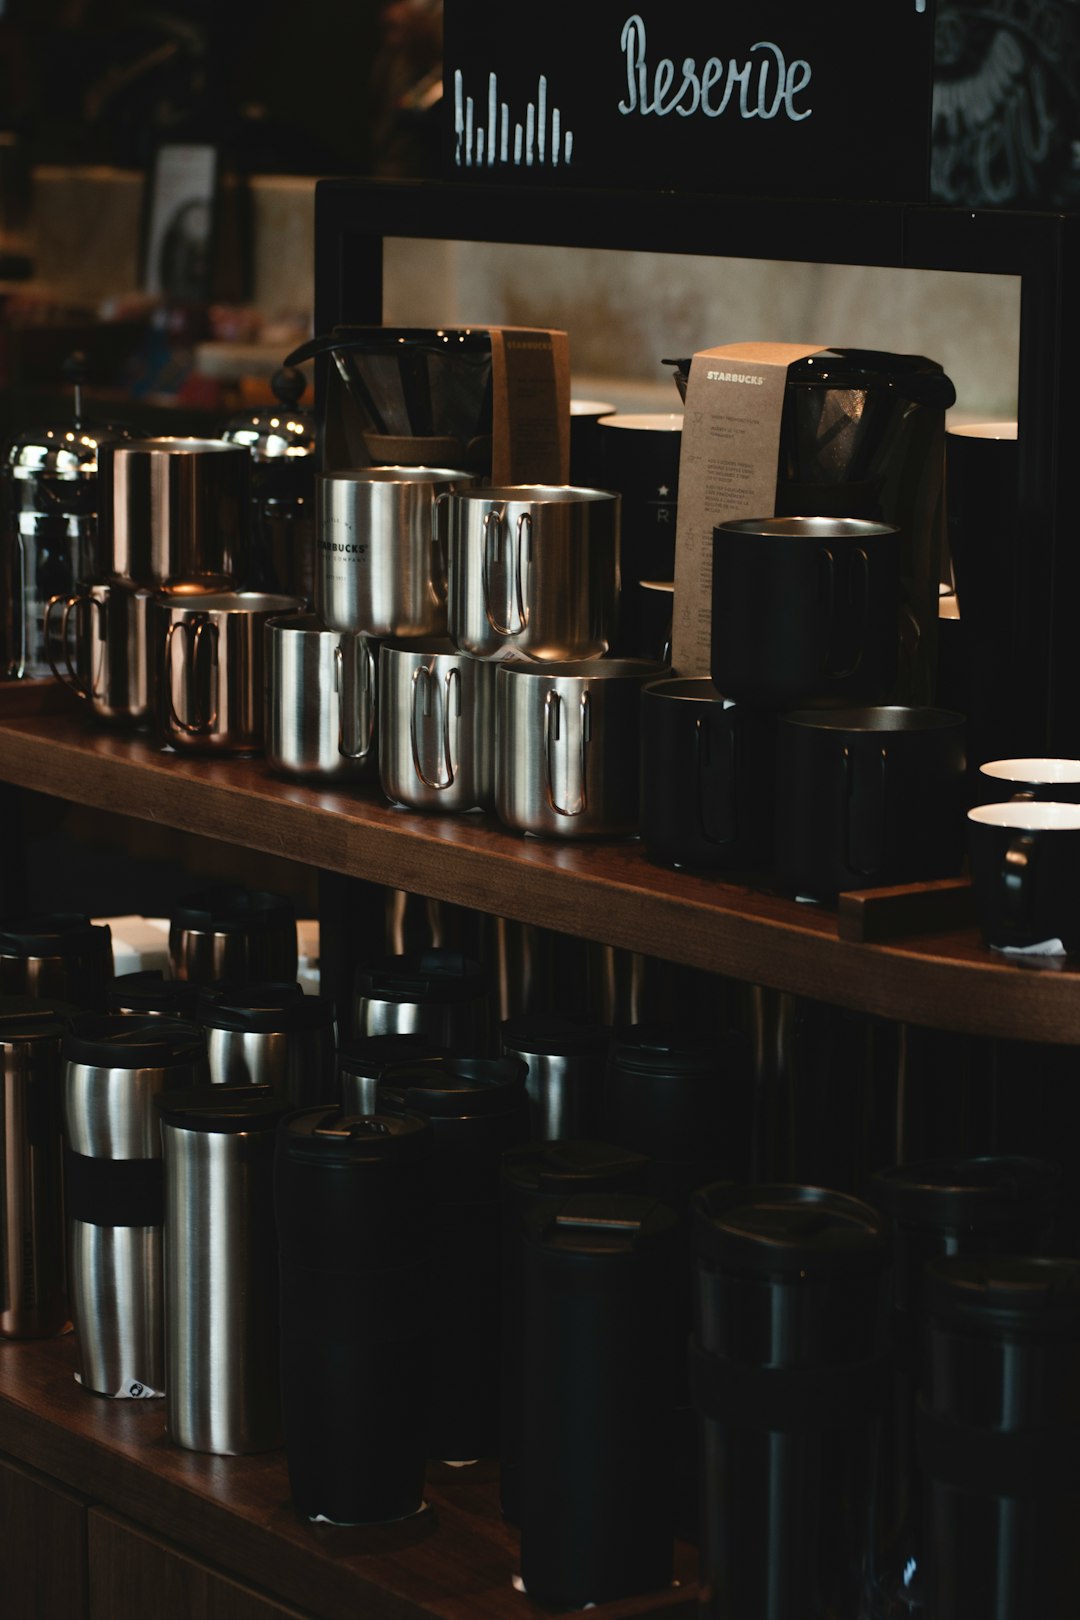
[[714, 768], [864, 809], [857, 619], [1016, 879]]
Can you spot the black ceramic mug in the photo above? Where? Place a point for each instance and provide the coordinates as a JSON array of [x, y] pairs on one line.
[[870, 797], [805, 608], [706, 777], [1025, 872]]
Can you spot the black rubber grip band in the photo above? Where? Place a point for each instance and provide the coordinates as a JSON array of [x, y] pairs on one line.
[[114, 1192], [786, 1399]]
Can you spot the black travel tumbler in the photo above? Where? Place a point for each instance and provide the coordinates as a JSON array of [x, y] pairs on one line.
[[543, 1175], [598, 1381], [789, 1372], [352, 1204]]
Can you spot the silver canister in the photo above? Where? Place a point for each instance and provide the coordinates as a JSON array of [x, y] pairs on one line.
[[436, 726], [381, 547], [207, 652], [567, 1063], [441, 995], [114, 1066], [173, 508], [33, 1265], [567, 758], [533, 570], [97, 643], [221, 1288], [230, 934], [57, 954], [271, 1035], [321, 701]]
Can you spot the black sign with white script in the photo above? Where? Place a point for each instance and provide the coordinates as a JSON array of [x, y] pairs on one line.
[[826, 98]]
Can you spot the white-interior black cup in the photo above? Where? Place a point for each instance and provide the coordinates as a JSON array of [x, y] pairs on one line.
[[1025, 873], [1047, 780], [868, 797], [805, 608]]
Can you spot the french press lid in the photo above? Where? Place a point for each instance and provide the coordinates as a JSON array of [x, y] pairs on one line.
[[279, 431], [64, 452]]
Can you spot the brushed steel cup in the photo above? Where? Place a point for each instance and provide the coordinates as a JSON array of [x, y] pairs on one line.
[[533, 571], [174, 508], [567, 754], [381, 547], [436, 726], [97, 643], [321, 699]]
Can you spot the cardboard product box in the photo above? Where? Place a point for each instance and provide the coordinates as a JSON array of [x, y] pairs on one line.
[[493, 400], [780, 429]]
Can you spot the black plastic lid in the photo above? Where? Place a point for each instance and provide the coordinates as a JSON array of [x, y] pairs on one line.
[[426, 977], [231, 909], [264, 1009], [595, 1225], [555, 1037], [149, 991], [660, 1050], [222, 1110], [369, 1056], [132, 1041], [331, 1137], [565, 1168], [1007, 1293], [976, 1193], [455, 1087], [30, 1021], [55, 933], [782, 1229]]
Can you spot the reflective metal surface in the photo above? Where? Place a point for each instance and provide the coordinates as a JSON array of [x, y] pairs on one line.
[[173, 508], [118, 1309], [97, 643], [436, 726], [109, 1113], [321, 699], [296, 1063]]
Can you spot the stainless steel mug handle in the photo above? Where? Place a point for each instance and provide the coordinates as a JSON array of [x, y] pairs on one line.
[[552, 733], [69, 675], [196, 727], [356, 697], [860, 583], [725, 823], [439, 548], [1016, 878], [452, 690], [521, 577], [864, 812], [494, 518]]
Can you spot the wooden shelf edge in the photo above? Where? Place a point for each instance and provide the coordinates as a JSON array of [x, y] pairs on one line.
[[609, 892]]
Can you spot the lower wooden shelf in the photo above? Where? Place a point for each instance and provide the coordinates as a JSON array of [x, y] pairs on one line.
[[454, 1561]]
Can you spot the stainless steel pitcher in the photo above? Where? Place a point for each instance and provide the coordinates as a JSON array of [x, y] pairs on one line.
[[533, 570], [381, 539], [321, 699]]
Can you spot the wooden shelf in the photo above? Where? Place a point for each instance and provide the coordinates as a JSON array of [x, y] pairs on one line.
[[607, 891], [454, 1561]]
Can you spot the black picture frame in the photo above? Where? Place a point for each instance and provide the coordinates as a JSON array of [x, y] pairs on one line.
[[180, 222]]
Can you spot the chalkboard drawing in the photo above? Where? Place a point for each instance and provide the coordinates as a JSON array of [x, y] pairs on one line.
[[488, 134], [1006, 104]]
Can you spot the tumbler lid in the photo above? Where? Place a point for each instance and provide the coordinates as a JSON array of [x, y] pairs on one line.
[[564, 1168], [22, 1021], [121, 1040], [54, 933], [230, 909], [436, 976], [149, 991], [369, 1055], [222, 1110], [787, 1230], [1004, 1293], [977, 1193], [263, 1009], [554, 1036], [330, 1136], [455, 1087], [663, 1050], [601, 1225]]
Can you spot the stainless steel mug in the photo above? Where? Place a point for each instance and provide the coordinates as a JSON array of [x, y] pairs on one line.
[[436, 726], [271, 1035], [320, 699], [381, 539], [97, 643], [533, 570], [438, 994], [173, 508], [207, 653], [221, 1287], [57, 953], [33, 1266], [115, 1065], [568, 744]]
